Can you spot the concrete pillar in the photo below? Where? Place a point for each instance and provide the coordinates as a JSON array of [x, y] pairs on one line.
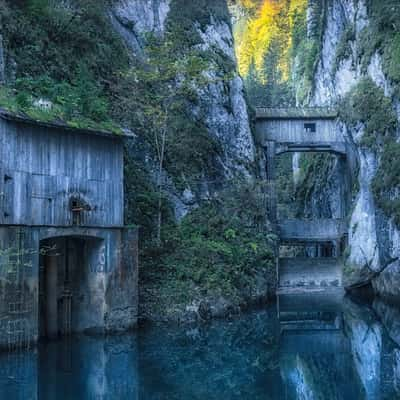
[[269, 152], [337, 248], [122, 284], [51, 297], [296, 168]]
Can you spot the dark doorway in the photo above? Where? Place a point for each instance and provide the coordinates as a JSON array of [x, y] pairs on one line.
[[68, 289]]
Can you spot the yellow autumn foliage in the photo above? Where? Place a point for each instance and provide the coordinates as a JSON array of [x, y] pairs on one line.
[[269, 20]]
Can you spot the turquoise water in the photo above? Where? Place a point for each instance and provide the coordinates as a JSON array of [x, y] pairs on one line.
[[302, 350]]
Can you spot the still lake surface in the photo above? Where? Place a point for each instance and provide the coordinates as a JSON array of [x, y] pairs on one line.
[[300, 348]]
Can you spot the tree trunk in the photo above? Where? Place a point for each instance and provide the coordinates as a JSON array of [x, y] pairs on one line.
[[161, 154]]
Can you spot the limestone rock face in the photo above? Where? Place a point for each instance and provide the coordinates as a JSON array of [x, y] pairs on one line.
[[365, 334], [327, 193], [363, 242], [372, 331], [133, 18], [225, 108], [221, 105], [373, 238], [388, 281], [142, 16]]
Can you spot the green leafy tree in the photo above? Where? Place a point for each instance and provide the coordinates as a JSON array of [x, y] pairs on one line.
[[166, 88]]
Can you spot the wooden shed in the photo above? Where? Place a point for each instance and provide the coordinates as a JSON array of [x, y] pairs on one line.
[[67, 263]]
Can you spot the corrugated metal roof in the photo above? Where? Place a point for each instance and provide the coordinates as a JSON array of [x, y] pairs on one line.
[[296, 113]]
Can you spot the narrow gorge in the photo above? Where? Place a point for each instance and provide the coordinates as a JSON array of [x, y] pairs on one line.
[[199, 199]]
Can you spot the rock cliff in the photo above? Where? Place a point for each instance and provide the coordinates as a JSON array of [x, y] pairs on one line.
[[166, 71], [221, 107], [346, 61], [186, 282]]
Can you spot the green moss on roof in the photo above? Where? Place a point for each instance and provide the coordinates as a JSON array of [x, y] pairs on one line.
[[59, 124], [13, 108]]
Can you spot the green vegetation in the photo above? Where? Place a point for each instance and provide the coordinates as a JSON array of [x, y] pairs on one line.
[[274, 91], [386, 184], [183, 13], [285, 186], [220, 249], [343, 50], [142, 196], [65, 63], [383, 36], [367, 103], [306, 50], [314, 167], [157, 100], [289, 62], [66, 55], [161, 108], [27, 105]]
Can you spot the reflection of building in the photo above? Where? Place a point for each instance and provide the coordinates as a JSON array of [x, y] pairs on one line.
[[312, 322], [86, 368], [335, 348], [315, 356], [66, 261]]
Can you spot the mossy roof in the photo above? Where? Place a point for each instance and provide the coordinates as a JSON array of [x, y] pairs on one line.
[[59, 124]]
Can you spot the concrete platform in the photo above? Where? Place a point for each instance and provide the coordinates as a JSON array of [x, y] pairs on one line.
[[310, 272]]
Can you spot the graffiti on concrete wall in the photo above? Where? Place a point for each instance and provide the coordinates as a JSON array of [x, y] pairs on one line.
[[16, 264], [99, 264]]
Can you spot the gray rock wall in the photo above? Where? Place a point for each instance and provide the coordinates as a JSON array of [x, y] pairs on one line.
[[134, 18], [222, 102], [373, 248]]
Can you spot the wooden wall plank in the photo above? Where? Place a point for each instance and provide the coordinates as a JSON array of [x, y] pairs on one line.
[[48, 166]]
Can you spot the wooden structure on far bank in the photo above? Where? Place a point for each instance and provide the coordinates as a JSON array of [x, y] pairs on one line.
[[292, 130]]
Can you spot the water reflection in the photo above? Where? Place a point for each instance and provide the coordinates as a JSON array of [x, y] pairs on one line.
[[306, 347], [316, 361], [80, 368]]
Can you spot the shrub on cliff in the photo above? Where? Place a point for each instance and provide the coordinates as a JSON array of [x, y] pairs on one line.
[[64, 52], [367, 103], [218, 249], [386, 184]]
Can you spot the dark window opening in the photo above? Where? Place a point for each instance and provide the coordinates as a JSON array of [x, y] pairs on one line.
[[77, 207], [310, 127], [327, 250], [76, 218]]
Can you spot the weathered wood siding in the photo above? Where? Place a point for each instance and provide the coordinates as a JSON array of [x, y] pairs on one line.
[[312, 230], [42, 168], [293, 131]]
